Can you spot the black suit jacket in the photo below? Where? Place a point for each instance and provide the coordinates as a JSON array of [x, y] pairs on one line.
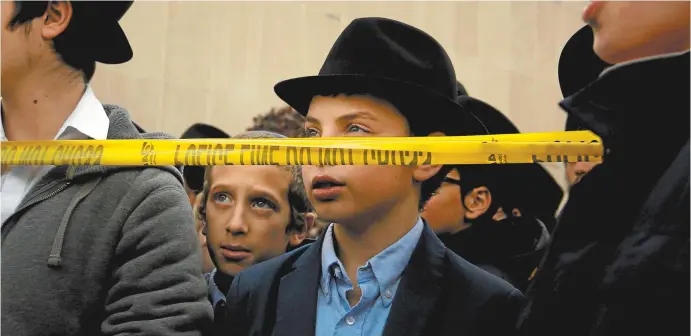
[[440, 294]]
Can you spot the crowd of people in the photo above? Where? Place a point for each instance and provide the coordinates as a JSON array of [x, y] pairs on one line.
[[352, 250]]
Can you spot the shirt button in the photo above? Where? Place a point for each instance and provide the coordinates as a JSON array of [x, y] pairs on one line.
[[388, 294], [350, 320]]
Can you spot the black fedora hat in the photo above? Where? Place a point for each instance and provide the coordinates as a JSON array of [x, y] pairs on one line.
[[578, 67], [574, 124], [194, 175], [546, 194], [95, 30], [394, 61], [204, 131]]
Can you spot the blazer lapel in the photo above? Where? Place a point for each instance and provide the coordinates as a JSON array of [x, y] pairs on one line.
[[296, 306], [419, 289]]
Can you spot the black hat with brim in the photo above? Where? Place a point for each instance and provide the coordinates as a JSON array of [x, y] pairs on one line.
[[203, 131], [395, 62], [460, 89], [194, 175], [545, 193], [426, 111], [95, 30], [93, 33], [574, 124]]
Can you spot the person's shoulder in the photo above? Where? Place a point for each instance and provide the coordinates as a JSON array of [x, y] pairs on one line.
[[477, 280], [493, 304], [139, 183]]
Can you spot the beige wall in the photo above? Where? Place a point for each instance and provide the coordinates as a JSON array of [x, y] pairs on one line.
[[217, 62]]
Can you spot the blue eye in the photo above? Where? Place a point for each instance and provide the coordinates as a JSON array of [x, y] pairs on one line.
[[221, 197], [355, 129], [263, 203], [311, 133]]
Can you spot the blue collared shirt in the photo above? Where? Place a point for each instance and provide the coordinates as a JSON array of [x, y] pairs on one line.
[[378, 281], [215, 294]]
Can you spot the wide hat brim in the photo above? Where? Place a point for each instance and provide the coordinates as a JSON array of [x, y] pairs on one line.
[[546, 194], [114, 48], [97, 31], [543, 194], [579, 65], [494, 120], [203, 131], [425, 110]]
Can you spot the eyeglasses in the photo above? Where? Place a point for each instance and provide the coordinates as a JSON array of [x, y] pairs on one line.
[[452, 181]]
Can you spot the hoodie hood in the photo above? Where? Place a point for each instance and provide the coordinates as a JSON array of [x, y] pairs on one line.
[[121, 127]]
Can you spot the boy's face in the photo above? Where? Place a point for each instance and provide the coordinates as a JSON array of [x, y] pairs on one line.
[[445, 212], [344, 194], [247, 212], [24, 47], [207, 264], [627, 30], [15, 46], [576, 170]]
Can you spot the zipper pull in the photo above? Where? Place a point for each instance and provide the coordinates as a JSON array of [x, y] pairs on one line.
[[71, 170]]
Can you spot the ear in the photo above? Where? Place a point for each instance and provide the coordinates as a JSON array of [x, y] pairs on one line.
[[500, 215], [477, 202], [205, 228], [56, 19], [296, 237], [425, 172], [202, 220], [310, 219]]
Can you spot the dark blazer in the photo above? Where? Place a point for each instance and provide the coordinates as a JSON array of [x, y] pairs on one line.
[[440, 294]]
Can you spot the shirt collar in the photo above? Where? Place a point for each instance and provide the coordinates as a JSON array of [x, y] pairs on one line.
[[331, 265], [387, 265], [605, 106], [214, 293], [641, 60], [88, 119]]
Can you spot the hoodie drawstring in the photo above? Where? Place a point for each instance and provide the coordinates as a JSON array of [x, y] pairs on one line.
[[55, 258]]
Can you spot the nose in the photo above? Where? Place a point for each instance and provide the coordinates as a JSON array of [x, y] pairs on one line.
[[326, 156], [582, 168], [236, 224], [578, 170]]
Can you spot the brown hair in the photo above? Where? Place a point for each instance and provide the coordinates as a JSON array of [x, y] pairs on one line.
[[284, 121], [297, 197]]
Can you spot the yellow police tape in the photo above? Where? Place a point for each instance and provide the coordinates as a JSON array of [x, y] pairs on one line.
[[485, 149]]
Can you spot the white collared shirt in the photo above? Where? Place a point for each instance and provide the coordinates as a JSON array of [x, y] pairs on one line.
[[87, 121]]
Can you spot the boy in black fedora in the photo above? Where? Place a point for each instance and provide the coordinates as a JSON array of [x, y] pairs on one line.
[[87, 250], [496, 216], [378, 269], [619, 260]]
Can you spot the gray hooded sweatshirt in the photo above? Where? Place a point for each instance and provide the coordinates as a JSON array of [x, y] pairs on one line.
[[104, 250]]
